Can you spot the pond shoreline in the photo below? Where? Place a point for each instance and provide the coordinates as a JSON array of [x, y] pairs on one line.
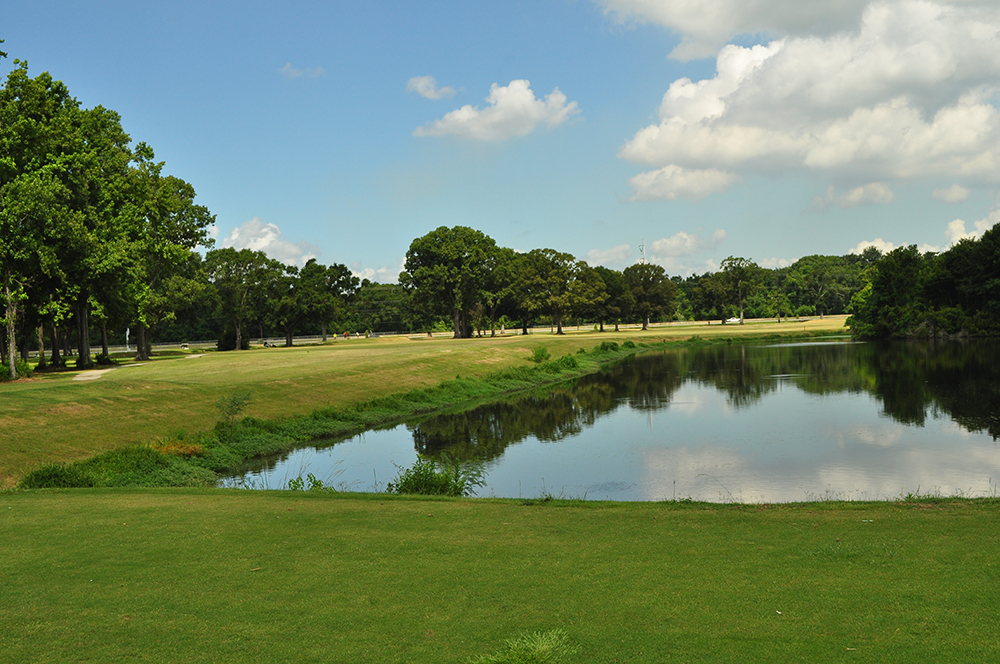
[[204, 458]]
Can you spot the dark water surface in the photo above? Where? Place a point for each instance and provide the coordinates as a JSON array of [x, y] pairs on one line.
[[779, 423]]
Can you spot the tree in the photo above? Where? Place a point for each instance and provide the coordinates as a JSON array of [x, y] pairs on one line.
[[447, 270], [653, 292], [620, 301], [33, 195], [741, 276], [326, 291], [241, 279]]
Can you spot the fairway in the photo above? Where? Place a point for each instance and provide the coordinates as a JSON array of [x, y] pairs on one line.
[[171, 575], [56, 418]]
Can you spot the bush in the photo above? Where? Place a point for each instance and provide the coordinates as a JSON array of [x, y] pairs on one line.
[[539, 355], [57, 476], [564, 363], [445, 478], [609, 347], [104, 360], [23, 370], [628, 344]]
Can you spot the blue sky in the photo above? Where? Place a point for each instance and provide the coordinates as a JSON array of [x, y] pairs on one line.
[[770, 129]]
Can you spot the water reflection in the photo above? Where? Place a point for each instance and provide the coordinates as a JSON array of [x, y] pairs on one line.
[[724, 422], [910, 380]]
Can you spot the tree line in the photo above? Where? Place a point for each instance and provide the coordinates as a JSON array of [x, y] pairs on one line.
[[97, 241]]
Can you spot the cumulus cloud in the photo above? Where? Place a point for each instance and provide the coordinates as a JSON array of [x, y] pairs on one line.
[[876, 192], [773, 263], [513, 110], [386, 274], [683, 253], [672, 182], [705, 25], [906, 89], [614, 256], [426, 87], [258, 236], [288, 71], [956, 193], [878, 243], [956, 229]]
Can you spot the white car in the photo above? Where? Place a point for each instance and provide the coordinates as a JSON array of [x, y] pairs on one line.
[[732, 320]]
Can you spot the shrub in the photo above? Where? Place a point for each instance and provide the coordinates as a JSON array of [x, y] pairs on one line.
[[628, 344], [609, 347], [445, 478], [57, 476], [540, 354], [23, 370], [104, 360]]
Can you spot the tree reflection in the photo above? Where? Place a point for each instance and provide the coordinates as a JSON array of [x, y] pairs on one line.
[[910, 380]]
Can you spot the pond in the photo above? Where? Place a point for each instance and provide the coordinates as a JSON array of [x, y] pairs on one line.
[[721, 423]]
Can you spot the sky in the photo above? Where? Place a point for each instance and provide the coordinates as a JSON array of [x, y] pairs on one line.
[[684, 131]]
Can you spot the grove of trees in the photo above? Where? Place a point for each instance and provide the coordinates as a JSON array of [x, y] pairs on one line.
[[97, 241]]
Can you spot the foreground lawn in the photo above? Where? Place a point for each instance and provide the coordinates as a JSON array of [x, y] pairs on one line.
[[228, 576], [54, 418]]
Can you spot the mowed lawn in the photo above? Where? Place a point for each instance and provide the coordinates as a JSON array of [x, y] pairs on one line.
[[56, 418], [203, 575]]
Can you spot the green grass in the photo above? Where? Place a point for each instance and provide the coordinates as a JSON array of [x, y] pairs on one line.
[[55, 419], [201, 575]]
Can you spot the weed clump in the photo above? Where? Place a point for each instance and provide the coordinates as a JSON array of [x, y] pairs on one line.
[[445, 478], [540, 354], [538, 648]]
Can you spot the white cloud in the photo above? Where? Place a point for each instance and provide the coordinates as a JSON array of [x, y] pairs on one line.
[[258, 236], [874, 193], [614, 256], [513, 111], [907, 89], [772, 263], [386, 274], [705, 25], [956, 229], [685, 244], [878, 243], [288, 71], [672, 182], [426, 87], [956, 193]]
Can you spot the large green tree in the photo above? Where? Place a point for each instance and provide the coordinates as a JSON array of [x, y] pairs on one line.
[[447, 272], [741, 278], [652, 291]]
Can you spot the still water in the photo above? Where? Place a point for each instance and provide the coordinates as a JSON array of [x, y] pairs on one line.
[[733, 423]]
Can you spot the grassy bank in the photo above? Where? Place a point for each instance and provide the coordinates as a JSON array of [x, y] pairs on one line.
[[197, 575], [58, 418]]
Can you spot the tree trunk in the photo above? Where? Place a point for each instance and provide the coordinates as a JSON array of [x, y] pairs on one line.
[[41, 347], [288, 337], [104, 338], [602, 325], [141, 346], [324, 332], [83, 332], [24, 347], [239, 336], [645, 322], [11, 348], [559, 325], [56, 360], [456, 323]]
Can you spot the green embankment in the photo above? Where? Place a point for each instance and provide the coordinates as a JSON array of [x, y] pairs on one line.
[[58, 418], [203, 575]]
